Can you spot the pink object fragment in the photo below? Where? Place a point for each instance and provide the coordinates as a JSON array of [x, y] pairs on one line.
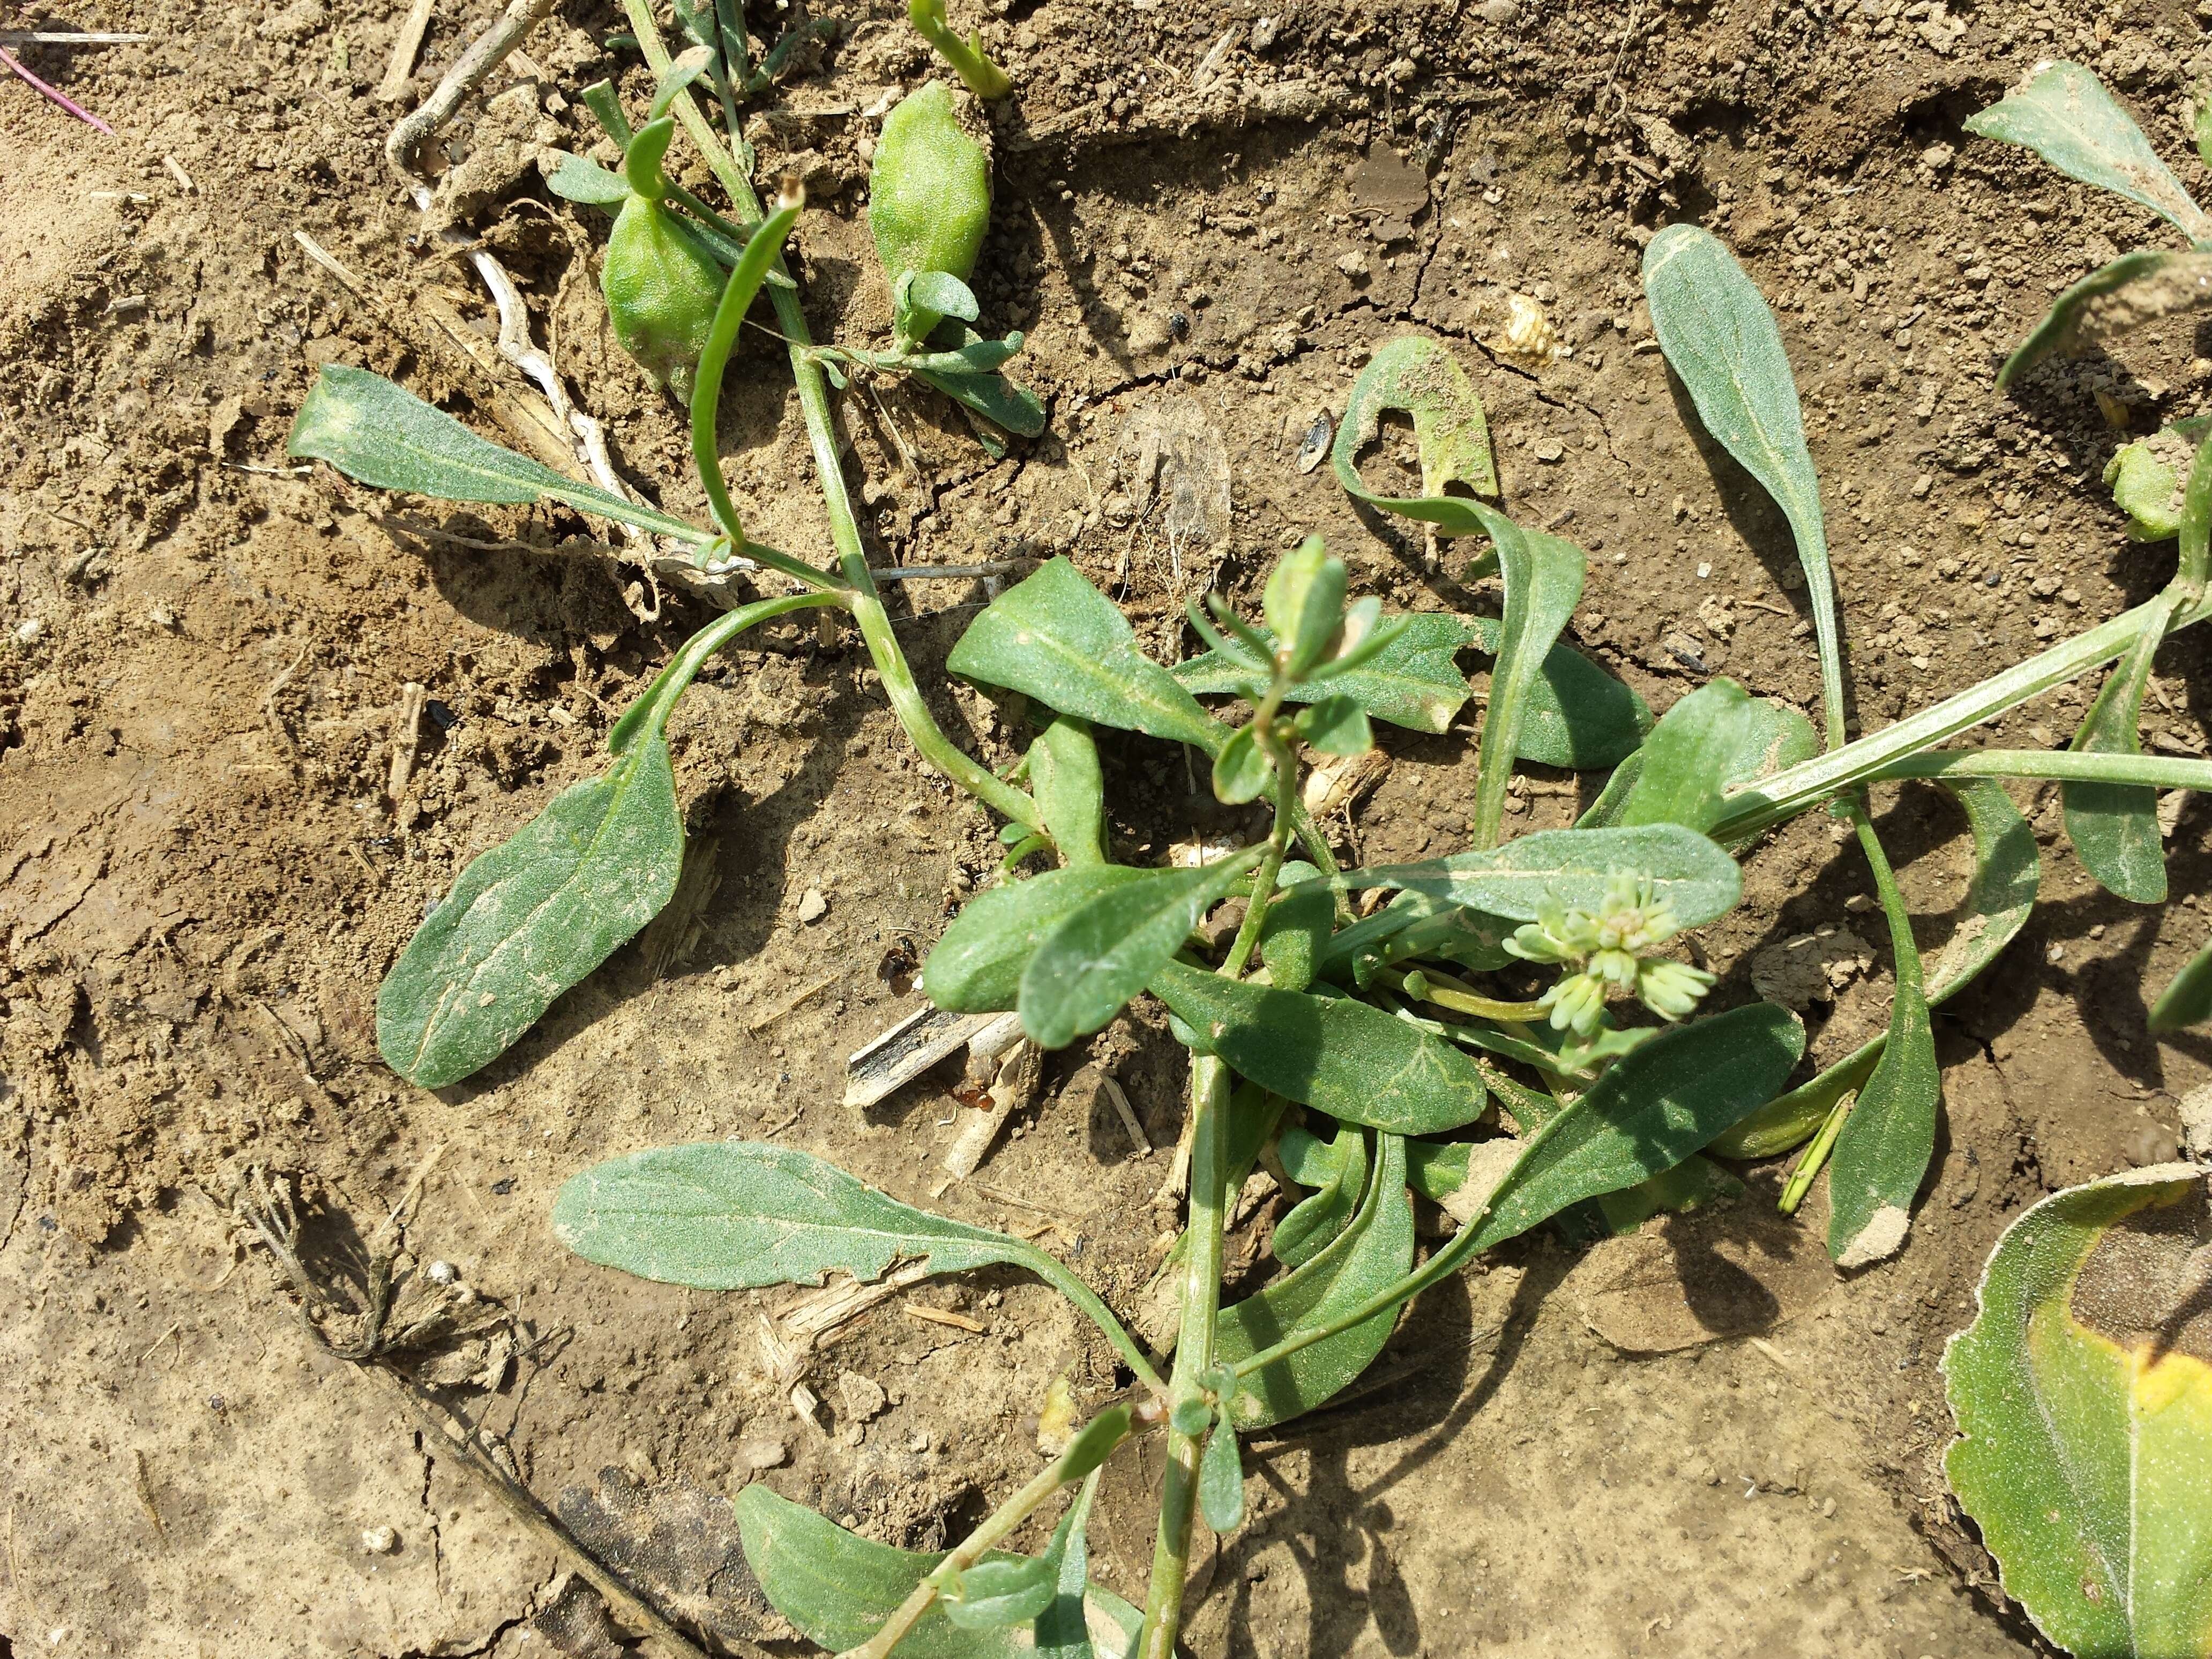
[[81, 113]]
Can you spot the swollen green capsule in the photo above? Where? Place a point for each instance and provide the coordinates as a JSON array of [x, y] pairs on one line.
[[661, 287], [929, 195], [661, 282]]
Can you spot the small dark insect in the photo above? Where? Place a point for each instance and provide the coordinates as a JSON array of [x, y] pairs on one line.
[[1178, 326]]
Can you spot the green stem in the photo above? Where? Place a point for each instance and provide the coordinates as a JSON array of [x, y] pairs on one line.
[[968, 58], [1201, 1306], [1789, 793], [651, 711], [2071, 766], [1071, 1466], [1056, 1274], [1816, 1155], [1418, 985], [864, 602]]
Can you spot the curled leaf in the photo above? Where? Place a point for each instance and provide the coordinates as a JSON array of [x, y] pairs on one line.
[[1421, 377]]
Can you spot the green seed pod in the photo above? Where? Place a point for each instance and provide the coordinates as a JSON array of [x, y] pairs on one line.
[[929, 194], [661, 287]]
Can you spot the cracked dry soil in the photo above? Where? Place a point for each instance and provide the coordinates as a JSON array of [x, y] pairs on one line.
[[1206, 214]]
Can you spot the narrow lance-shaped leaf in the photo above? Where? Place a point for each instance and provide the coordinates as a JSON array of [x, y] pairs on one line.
[[1070, 790], [976, 967], [727, 1215], [1068, 1629], [1348, 1058], [1543, 580], [1421, 377], [1719, 336], [1221, 1480], [373, 431], [2188, 999], [1649, 1111], [2083, 1395], [1098, 958], [532, 917], [1572, 868], [1373, 1252], [2007, 872], [1882, 1150], [1307, 1230], [2114, 827], [837, 1588], [2134, 289], [1056, 638], [2063, 112]]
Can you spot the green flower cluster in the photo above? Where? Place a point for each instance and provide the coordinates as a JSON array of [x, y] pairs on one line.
[[1611, 948]]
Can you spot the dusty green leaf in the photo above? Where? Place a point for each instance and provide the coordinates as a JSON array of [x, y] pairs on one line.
[[1374, 1252], [1309, 1228], [992, 1594], [2188, 999], [1221, 1480], [1070, 1629], [999, 400], [2114, 826], [1572, 868], [1094, 962], [2063, 112], [1543, 580], [1336, 726], [1649, 1111], [1352, 1061], [1070, 791], [1242, 771], [2136, 288], [1713, 740], [1690, 1185], [372, 431], [1294, 933], [579, 181], [1883, 1148], [1720, 338], [1056, 638], [1421, 377], [1435, 1169], [976, 967], [2083, 1395], [727, 1215], [2007, 872], [532, 917]]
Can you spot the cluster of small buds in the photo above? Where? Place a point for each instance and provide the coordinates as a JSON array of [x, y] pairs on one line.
[[1611, 948]]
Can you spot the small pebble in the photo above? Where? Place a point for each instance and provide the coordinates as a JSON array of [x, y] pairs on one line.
[[443, 1273], [812, 906], [763, 1451], [379, 1540]]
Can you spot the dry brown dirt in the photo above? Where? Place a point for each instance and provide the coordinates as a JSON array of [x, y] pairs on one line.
[[1208, 214]]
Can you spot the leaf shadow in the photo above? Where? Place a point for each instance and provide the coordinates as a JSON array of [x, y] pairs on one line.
[[1421, 1392]]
